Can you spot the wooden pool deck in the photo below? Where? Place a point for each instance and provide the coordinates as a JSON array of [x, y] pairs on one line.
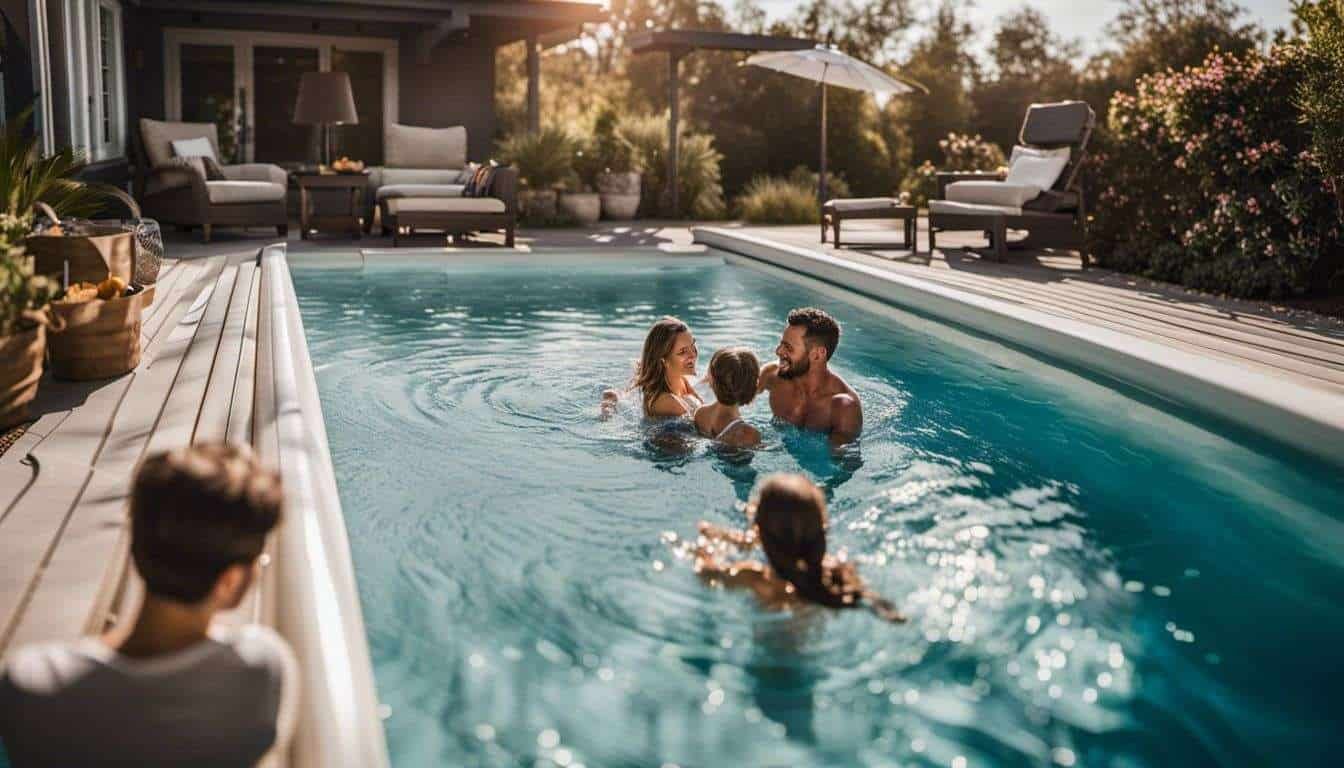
[[64, 482]]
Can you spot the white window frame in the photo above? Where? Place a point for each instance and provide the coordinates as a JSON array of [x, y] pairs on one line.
[[83, 65], [244, 43], [41, 53]]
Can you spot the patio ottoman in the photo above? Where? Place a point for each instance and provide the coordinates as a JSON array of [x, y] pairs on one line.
[[835, 211], [452, 215]]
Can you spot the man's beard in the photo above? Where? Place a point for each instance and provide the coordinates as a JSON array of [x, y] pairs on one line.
[[795, 369]]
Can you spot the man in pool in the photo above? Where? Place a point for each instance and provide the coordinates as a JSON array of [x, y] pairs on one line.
[[803, 390]]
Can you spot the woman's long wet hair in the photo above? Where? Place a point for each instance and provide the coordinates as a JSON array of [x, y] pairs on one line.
[[791, 521], [651, 371]]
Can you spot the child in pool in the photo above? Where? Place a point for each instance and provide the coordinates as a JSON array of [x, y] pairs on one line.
[[732, 376], [789, 524]]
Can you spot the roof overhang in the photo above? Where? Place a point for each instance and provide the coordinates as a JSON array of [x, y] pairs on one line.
[[681, 41]]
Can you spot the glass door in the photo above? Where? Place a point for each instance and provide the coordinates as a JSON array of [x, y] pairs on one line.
[[276, 72], [210, 93], [363, 141]]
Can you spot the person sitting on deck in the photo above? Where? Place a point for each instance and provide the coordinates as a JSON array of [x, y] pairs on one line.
[[167, 688], [665, 375], [732, 376], [789, 524], [803, 389]]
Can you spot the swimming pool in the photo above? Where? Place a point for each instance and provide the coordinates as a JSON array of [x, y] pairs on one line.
[[1092, 577]]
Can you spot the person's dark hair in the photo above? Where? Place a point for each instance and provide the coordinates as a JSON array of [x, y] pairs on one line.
[[819, 328], [733, 372], [791, 522], [196, 511]]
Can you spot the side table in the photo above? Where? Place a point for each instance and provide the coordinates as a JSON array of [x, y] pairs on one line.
[[326, 185]]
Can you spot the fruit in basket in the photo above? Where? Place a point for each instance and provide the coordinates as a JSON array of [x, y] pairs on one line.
[[346, 165], [111, 288], [80, 292]]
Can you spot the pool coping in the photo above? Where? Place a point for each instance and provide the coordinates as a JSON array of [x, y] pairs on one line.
[[1307, 418]]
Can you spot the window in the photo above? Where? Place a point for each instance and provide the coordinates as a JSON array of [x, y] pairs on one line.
[[93, 48]]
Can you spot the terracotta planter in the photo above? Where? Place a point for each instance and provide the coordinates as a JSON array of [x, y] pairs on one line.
[[620, 195], [20, 368], [101, 339], [109, 251], [537, 204], [583, 207]]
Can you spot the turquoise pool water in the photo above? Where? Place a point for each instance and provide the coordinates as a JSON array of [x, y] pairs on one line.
[[1092, 578]]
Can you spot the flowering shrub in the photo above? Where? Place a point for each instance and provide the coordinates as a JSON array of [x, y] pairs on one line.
[[1206, 177], [961, 152]]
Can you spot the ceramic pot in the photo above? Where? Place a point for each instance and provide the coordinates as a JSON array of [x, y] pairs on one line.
[[620, 195], [583, 207]]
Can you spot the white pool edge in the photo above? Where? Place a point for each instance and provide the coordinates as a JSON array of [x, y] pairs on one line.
[[317, 605], [1309, 418]]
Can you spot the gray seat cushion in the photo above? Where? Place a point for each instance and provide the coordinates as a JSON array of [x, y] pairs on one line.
[[398, 205], [855, 204], [238, 192], [419, 190], [972, 209], [991, 193]]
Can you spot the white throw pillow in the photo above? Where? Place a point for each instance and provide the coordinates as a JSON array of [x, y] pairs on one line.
[[194, 148], [1037, 167]]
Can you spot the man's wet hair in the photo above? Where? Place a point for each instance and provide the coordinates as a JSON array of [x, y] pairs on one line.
[[819, 328]]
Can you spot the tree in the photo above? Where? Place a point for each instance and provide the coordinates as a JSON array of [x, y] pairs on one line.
[[1029, 64], [1320, 96], [942, 61]]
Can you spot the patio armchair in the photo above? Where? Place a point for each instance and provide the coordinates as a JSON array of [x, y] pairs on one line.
[[177, 192], [1041, 193], [422, 185]]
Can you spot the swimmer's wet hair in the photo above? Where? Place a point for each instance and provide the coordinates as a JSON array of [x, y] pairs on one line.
[[733, 372], [818, 328]]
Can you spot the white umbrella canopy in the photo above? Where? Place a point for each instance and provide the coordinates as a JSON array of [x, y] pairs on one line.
[[829, 66]]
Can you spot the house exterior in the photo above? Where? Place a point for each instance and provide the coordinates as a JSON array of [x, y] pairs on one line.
[[100, 65]]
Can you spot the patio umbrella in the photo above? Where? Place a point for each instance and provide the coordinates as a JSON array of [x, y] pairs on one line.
[[829, 66]]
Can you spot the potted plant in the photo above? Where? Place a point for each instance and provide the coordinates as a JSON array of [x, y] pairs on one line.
[[618, 183], [25, 300], [544, 159], [580, 201]]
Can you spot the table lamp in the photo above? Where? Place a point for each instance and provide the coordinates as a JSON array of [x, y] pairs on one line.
[[325, 99]]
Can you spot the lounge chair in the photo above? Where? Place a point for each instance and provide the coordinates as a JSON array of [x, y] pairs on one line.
[[1041, 193], [835, 211], [422, 183], [174, 192]]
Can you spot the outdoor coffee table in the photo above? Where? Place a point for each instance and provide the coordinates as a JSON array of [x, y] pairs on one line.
[[835, 211], [327, 185]]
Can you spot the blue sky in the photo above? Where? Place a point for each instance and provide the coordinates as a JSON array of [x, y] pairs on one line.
[[1082, 19]]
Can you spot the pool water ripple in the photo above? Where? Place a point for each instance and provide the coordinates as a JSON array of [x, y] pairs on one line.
[[1090, 578]]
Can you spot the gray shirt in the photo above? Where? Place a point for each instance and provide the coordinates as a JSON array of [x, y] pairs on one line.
[[221, 702]]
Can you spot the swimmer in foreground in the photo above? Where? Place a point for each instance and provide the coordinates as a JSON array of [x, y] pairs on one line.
[[790, 526], [732, 376], [665, 375]]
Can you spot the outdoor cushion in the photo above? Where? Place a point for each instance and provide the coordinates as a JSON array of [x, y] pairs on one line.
[[158, 137], [1038, 168], [445, 205], [991, 193], [385, 176], [1061, 123], [971, 209], [230, 192], [197, 147], [257, 172], [862, 204], [407, 146], [419, 190]]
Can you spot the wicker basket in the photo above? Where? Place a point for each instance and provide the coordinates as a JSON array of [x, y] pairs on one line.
[[110, 249], [101, 339], [20, 369]]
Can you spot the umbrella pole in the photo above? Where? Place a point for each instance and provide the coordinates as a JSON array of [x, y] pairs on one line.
[[821, 179]]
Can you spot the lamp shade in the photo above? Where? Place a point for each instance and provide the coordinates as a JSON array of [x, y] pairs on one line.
[[325, 98]]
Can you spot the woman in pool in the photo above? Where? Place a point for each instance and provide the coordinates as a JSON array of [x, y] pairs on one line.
[[665, 375], [790, 526], [732, 376]]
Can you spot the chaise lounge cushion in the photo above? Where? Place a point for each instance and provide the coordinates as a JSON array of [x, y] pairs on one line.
[[419, 190], [407, 146], [972, 209], [1001, 193], [1038, 168], [398, 205], [238, 192]]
